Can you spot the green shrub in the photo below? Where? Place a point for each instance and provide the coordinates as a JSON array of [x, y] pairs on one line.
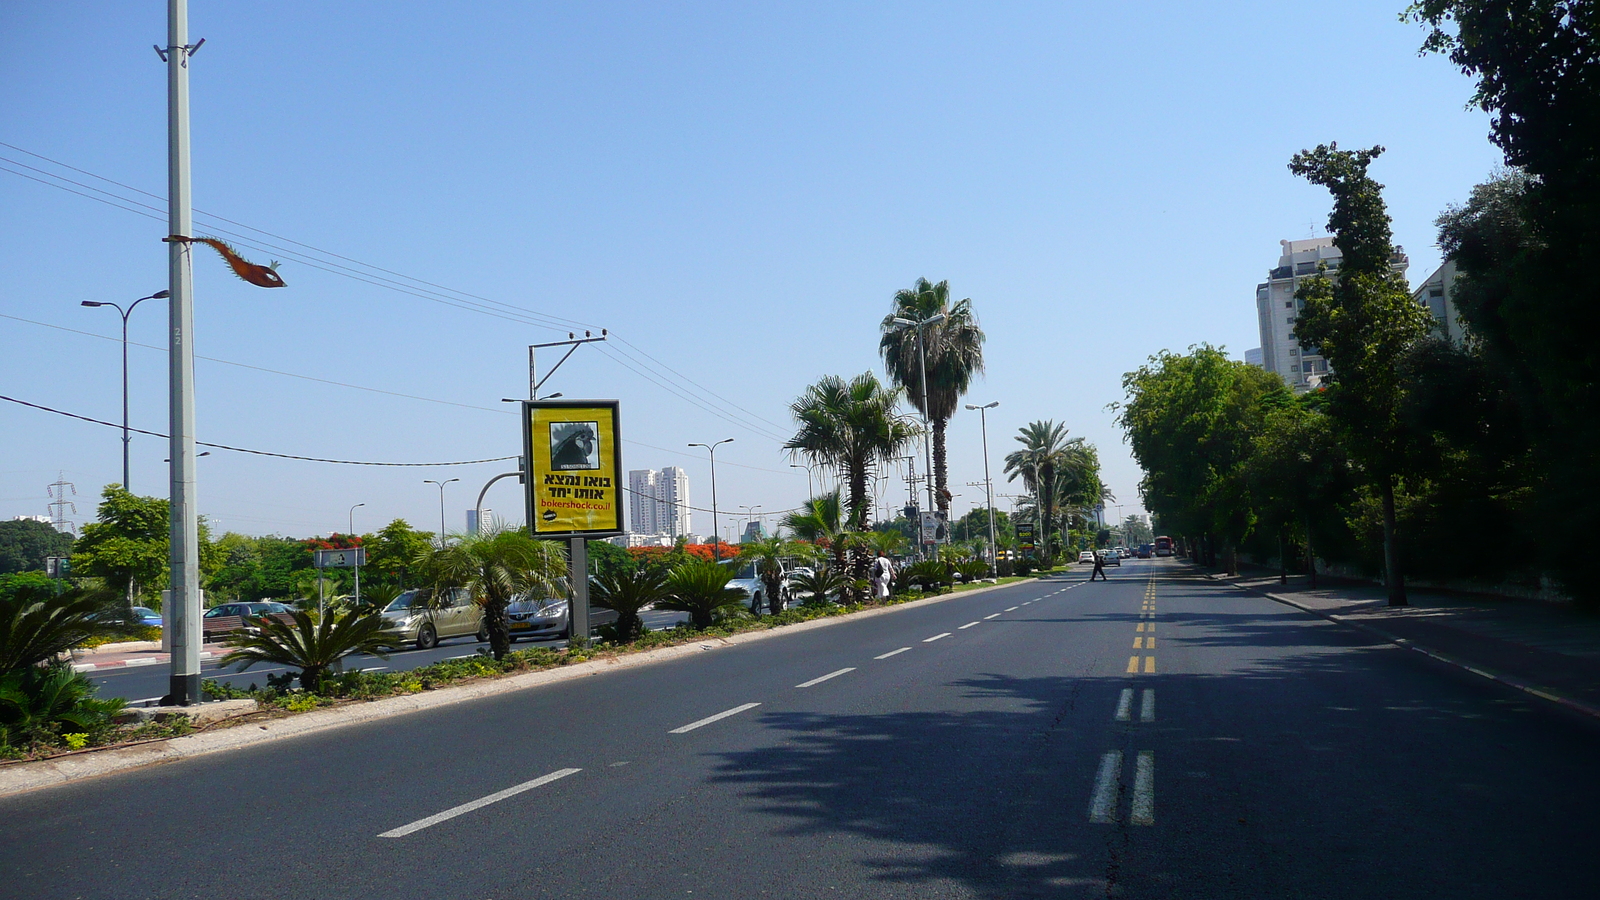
[[40, 704]]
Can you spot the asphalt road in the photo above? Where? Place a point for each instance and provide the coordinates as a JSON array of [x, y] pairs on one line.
[[1009, 751], [147, 684]]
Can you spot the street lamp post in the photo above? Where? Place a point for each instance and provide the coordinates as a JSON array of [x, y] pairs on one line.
[[810, 491], [749, 513], [441, 485], [922, 374], [158, 295], [348, 534], [716, 539], [983, 418]]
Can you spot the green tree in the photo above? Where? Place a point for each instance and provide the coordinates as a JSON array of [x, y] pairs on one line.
[[606, 558], [493, 567], [1365, 324], [24, 544], [127, 543], [817, 520], [391, 550], [953, 350]]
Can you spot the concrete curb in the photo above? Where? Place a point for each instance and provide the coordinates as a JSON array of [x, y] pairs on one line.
[[1577, 706], [19, 778], [141, 661]]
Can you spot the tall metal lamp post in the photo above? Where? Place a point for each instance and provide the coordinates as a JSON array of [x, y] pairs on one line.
[[749, 513], [983, 418], [158, 295], [347, 535], [922, 373], [716, 539], [441, 485]]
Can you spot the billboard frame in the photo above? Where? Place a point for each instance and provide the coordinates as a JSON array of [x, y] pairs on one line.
[[535, 477]]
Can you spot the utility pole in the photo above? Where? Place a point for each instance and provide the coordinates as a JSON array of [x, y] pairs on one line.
[[988, 485], [182, 612]]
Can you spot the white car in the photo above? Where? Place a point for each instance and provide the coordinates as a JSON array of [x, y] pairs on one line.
[[1110, 558], [745, 577]]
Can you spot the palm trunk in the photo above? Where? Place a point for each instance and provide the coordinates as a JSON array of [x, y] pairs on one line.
[[494, 616], [1393, 577], [941, 490]]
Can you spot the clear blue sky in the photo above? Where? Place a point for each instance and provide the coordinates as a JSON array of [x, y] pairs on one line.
[[736, 189]]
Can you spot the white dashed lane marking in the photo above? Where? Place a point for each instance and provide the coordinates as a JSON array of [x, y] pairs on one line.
[[936, 637], [716, 718], [966, 626], [992, 616], [1103, 802], [892, 653], [480, 803], [806, 684]]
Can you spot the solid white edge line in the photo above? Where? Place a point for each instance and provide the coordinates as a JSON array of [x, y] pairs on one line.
[[1147, 705], [968, 625], [709, 719], [1144, 789], [1125, 705], [892, 653], [825, 677], [936, 637], [481, 802], [1103, 804], [991, 616]]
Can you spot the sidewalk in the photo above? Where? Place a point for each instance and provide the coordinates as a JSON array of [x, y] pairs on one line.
[[131, 653], [1550, 650]]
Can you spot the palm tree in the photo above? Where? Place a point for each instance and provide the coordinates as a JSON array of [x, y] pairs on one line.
[[1037, 463], [953, 350], [851, 426], [769, 554], [313, 643], [494, 567], [817, 521], [628, 591], [37, 624], [699, 587], [824, 583]]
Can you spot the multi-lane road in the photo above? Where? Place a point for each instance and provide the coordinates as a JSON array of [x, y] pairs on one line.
[[1159, 735]]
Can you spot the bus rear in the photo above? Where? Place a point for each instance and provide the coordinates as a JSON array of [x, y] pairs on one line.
[[1163, 546]]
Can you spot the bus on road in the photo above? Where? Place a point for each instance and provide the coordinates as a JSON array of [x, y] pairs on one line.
[[1163, 546]]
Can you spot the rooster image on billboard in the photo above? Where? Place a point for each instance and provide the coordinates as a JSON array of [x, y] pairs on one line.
[[574, 467]]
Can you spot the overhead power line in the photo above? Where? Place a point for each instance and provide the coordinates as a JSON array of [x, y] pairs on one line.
[[341, 462]]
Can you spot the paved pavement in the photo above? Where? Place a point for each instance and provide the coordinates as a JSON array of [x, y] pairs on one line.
[[1550, 648], [1160, 735]]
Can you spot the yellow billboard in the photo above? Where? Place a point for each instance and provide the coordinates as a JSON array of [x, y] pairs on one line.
[[574, 467]]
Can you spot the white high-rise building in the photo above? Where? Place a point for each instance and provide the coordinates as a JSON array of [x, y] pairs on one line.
[[1277, 309], [658, 501], [1437, 293]]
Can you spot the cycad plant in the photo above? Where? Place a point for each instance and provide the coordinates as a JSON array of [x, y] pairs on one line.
[[699, 587], [817, 521], [823, 585], [37, 624], [311, 642], [628, 591], [45, 702]]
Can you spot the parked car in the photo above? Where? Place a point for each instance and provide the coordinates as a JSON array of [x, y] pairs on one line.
[[535, 618], [1086, 557], [1124, 553], [224, 618], [745, 576], [417, 621], [1110, 558], [147, 616]]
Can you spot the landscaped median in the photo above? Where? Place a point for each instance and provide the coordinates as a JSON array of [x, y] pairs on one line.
[[354, 697]]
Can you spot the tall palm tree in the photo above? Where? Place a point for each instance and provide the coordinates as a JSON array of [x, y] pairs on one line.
[[851, 426], [1037, 464], [953, 350], [493, 567]]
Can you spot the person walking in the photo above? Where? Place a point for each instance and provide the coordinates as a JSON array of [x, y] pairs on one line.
[[1099, 567], [882, 576]]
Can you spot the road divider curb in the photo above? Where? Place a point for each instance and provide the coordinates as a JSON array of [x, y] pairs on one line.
[[23, 777]]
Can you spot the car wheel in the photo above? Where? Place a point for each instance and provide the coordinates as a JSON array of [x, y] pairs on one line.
[[427, 638], [483, 633]]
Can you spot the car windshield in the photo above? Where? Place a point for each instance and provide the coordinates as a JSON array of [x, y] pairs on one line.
[[405, 602]]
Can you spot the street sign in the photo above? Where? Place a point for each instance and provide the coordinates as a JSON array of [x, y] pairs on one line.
[[57, 566], [574, 454], [341, 559], [1025, 535]]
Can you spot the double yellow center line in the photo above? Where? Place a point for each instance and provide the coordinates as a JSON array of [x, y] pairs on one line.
[[1145, 631]]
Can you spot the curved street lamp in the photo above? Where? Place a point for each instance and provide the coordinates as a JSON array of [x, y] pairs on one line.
[[441, 485], [158, 295], [716, 539]]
